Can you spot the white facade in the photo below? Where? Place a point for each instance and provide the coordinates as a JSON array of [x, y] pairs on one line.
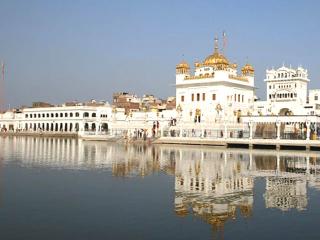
[[81, 119], [57, 119], [215, 92], [314, 100], [287, 93]]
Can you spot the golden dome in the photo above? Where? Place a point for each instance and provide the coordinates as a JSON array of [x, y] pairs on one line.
[[197, 64], [216, 59], [233, 65], [247, 69], [183, 65]]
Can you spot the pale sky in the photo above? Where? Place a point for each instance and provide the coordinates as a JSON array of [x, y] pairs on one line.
[[65, 50]]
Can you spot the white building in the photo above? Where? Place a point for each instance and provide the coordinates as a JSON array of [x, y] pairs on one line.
[[287, 93], [82, 118], [215, 91], [57, 119]]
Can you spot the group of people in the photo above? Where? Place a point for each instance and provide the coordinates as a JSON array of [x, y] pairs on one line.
[[144, 134]]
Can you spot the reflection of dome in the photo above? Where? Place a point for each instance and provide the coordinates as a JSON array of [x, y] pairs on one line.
[[181, 212], [216, 59], [247, 69]]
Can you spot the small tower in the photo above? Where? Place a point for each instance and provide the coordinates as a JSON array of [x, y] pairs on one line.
[[183, 68], [182, 71], [248, 70]]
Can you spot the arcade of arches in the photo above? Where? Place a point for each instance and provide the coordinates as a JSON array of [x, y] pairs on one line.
[[65, 126]]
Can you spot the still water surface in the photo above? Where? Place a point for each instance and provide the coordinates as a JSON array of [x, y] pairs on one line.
[[53, 188]]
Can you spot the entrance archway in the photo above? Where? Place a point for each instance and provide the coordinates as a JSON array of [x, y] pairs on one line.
[[197, 117], [104, 127]]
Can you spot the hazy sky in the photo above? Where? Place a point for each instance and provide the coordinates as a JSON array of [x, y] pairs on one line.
[[64, 50]]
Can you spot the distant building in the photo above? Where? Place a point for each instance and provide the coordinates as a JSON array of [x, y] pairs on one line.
[[129, 102], [41, 104], [171, 103]]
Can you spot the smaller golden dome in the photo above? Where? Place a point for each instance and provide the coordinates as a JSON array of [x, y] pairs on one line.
[[183, 65], [197, 64], [233, 65], [247, 69]]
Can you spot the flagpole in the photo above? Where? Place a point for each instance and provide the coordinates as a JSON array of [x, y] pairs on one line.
[[2, 87], [224, 38]]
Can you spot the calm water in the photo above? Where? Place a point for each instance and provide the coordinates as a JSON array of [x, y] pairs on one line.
[[54, 188]]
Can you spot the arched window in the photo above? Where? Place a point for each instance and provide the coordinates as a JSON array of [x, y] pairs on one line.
[[61, 114], [94, 114], [66, 114], [77, 114], [71, 114], [86, 114], [57, 115]]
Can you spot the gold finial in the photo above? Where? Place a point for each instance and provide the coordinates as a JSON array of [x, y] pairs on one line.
[[216, 46]]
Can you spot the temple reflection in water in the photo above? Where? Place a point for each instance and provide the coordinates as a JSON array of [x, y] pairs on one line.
[[213, 184]]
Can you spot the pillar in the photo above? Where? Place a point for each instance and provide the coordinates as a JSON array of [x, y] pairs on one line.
[[308, 130], [278, 162], [225, 131], [278, 130], [97, 128], [308, 165], [250, 130]]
